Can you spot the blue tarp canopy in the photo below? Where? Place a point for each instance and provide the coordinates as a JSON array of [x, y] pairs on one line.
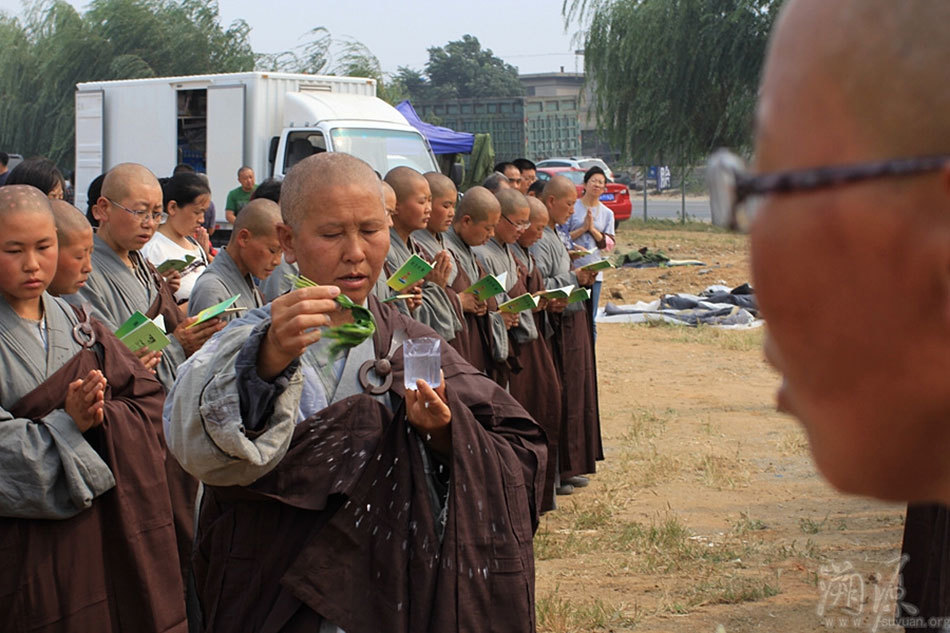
[[441, 139]]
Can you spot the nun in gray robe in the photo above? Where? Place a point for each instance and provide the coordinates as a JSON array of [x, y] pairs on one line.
[[580, 444], [115, 292], [437, 309], [222, 280]]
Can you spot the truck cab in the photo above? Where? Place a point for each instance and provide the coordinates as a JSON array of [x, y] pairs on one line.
[[368, 128]]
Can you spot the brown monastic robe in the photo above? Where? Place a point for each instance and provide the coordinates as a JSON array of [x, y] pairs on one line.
[[538, 387], [113, 567], [344, 526]]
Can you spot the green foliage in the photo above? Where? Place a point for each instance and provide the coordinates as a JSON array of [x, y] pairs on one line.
[[674, 79], [461, 70], [53, 47]]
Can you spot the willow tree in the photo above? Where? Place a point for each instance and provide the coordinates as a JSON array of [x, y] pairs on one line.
[[52, 47], [673, 79]]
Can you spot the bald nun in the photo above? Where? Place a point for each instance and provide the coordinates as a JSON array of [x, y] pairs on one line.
[[253, 251], [361, 505], [87, 523]]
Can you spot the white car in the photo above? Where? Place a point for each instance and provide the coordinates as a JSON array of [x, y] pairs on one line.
[[577, 162]]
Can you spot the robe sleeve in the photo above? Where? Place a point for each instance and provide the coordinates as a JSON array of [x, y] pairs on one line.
[[204, 423], [206, 293], [49, 470]]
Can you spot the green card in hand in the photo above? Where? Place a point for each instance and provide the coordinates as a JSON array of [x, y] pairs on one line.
[[488, 286], [519, 304], [579, 294], [216, 310], [139, 331], [555, 293], [409, 273], [175, 264], [596, 266]]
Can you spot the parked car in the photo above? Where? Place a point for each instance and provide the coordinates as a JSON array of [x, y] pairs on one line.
[[616, 198], [577, 162]]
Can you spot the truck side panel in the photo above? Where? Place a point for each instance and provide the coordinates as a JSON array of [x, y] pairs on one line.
[[226, 141], [89, 137]]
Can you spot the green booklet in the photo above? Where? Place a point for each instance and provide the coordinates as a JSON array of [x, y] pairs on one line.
[[556, 293], [488, 286], [579, 294], [216, 310], [595, 266], [139, 331], [519, 304], [409, 273], [175, 264]]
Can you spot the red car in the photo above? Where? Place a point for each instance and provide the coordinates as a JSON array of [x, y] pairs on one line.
[[616, 198]]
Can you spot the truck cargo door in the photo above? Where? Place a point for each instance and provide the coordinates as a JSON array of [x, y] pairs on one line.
[[89, 158], [225, 147]]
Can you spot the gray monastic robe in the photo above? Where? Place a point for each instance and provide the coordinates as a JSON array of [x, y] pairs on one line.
[[437, 310], [115, 293], [220, 281], [555, 264], [278, 283], [580, 444], [465, 257], [497, 259], [49, 470]]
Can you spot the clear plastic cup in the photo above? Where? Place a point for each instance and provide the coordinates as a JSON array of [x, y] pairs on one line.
[[422, 358]]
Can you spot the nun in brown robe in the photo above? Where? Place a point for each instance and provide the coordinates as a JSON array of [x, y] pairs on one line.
[[326, 507], [87, 538]]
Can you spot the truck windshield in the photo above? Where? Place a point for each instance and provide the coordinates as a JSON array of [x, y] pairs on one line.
[[384, 149]]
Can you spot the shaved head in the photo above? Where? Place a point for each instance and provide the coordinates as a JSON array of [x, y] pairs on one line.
[[403, 180], [558, 186], [440, 185], [539, 212], [259, 217], [23, 198], [478, 203], [70, 221], [120, 180], [319, 173], [840, 51], [511, 201]]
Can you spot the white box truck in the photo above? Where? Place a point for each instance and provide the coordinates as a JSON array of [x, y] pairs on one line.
[[217, 123]]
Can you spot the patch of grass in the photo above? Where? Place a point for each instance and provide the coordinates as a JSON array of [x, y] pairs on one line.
[[648, 467], [747, 524], [557, 614], [809, 526], [646, 424], [595, 516], [690, 226], [731, 590], [719, 472], [794, 443], [729, 340]]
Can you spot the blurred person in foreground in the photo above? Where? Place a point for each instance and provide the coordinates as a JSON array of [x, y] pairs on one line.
[[852, 180]]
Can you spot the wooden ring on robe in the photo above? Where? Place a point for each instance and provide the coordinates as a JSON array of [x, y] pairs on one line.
[[84, 334], [383, 368]]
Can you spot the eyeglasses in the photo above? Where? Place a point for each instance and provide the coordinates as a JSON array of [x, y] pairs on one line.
[[155, 216], [521, 226], [735, 195]]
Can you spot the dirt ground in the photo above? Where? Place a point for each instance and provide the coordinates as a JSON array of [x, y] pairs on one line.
[[708, 513]]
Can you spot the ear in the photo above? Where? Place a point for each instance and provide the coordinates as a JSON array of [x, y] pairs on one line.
[[100, 210], [243, 237], [286, 236], [172, 206]]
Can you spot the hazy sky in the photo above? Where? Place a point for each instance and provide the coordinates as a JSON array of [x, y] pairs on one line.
[[528, 35]]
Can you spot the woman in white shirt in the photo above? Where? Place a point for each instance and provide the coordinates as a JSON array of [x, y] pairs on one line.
[[186, 198], [591, 226]]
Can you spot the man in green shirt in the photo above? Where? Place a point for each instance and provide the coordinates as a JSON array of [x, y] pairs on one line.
[[239, 196]]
